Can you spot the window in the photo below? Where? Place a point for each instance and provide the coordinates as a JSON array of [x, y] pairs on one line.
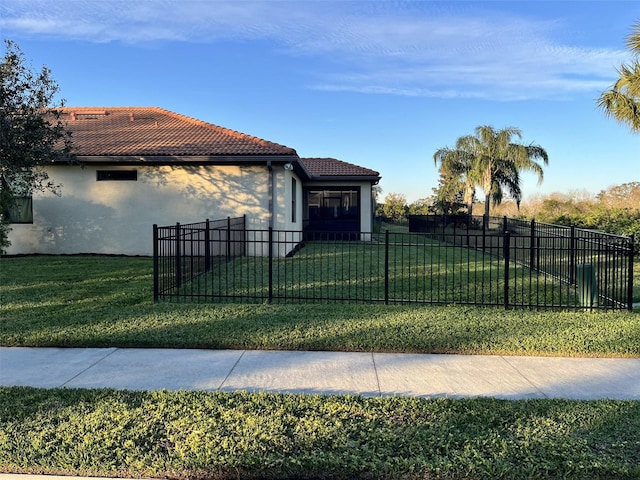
[[19, 205], [116, 175], [294, 194], [332, 209], [333, 203], [21, 210]]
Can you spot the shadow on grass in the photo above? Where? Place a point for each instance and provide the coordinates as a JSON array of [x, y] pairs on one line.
[[53, 301], [360, 328]]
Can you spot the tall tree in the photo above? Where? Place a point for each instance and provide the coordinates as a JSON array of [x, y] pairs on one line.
[[491, 160], [394, 207], [448, 196], [622, 100], [421, 206], [456, 175], [32, 134]]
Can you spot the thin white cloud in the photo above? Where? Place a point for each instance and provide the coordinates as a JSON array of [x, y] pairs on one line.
[[450, 50]]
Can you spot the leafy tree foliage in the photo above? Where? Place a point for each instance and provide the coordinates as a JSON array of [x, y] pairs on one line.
[[422, 206], [457, 179], [394, 207], [449, 196], [32, 134], [489, 159], [614, 210], [622, 100], [626, 195]]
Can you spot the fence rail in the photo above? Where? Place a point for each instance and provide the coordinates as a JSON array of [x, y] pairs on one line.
[[182, 253], [510, 264]]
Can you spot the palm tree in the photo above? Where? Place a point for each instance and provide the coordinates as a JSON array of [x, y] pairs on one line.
[[490, 160], [456, 168], [622, 101]]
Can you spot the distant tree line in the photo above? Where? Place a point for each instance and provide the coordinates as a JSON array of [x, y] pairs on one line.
[[614, 210]]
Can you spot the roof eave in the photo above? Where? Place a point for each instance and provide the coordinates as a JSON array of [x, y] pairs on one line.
[[181, 159], [345, 178]]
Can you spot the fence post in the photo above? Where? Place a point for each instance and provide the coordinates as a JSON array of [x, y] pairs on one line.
[[630, 283], [228, 238], [270, 264], [177, 258], [155, 264], [572, 256], [245, 238], [386, 267], [504, 224], [532, 246], [505, 251], [484, 232], [207, 247]]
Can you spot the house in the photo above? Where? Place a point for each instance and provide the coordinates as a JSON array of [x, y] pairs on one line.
[[140, 166]]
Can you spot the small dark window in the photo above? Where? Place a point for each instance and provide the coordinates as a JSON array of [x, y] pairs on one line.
[[20, 210], [117, 175]]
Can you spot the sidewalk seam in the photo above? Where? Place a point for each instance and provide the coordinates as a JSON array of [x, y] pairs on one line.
[[375, 371], [231, 370], [524, 376], [115, 349]]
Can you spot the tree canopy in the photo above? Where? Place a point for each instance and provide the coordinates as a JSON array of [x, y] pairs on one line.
[[449, 196], [622, 100], [489, 159], [394, 207], [32, 134]]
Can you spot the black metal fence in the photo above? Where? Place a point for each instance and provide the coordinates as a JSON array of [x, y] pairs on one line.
[[501, 262], [182, 253]]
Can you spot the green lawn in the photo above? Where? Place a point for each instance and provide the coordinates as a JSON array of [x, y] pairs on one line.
[[107, 301], [200, 435], [420, 270], [410, 268]]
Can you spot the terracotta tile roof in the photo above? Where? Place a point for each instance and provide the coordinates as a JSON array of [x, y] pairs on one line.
[[331, 167], [152, 131]]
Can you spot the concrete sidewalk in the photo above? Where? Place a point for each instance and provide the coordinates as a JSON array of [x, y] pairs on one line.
[[367, 374]]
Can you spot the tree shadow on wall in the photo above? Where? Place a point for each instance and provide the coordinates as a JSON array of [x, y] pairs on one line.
[[221, 190], [70, 225]]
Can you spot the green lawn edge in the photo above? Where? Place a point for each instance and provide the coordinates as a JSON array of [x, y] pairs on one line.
[[100, 301]]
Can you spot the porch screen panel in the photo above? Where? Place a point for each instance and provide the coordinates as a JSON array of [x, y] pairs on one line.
[[333, 209]]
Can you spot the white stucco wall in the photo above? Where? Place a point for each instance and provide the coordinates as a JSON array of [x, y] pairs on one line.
[[289, 233], [116, 217]]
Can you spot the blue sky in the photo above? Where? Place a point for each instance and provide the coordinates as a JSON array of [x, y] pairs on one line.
[[382, 84]]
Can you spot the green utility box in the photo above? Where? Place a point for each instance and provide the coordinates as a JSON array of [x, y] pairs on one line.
[[587, 285]]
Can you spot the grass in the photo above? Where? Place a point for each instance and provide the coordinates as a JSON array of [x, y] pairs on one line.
[[403, 268], [94, 301], [202, 435], [420, 270], [107, 301]]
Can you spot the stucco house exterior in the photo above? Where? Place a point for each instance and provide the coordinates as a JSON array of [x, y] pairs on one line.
[[140, 166]]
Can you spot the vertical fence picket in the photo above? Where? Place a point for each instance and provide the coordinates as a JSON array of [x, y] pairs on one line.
[[386, 268], [506, 257], [270, 264], [630, 273], [178, 267], [207, 246], [156, 271]]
